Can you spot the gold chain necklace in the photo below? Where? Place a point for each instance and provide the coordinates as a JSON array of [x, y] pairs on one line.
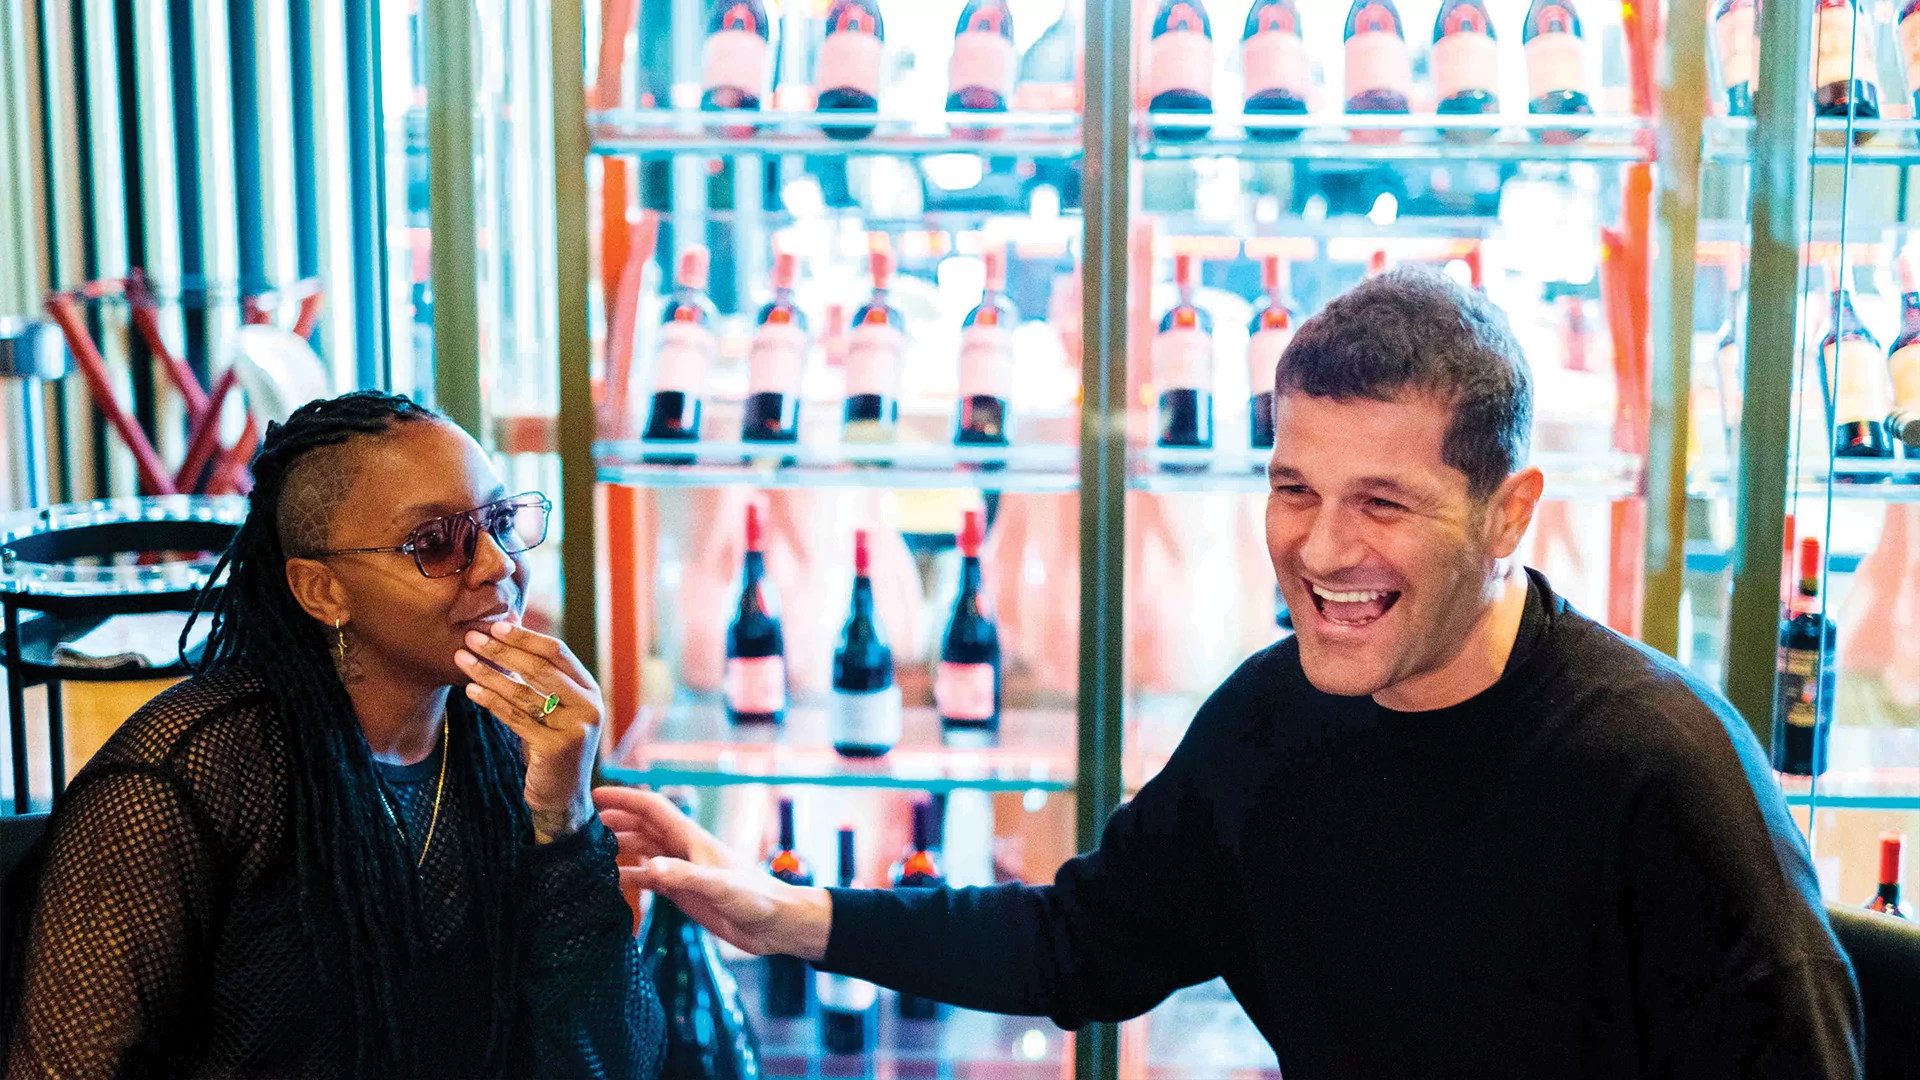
[[446, 738]]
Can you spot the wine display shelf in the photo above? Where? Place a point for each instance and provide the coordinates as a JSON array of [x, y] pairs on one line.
[[1887, 788], [665, 132], [1894, 480], [1878, 142], [1420, 137]]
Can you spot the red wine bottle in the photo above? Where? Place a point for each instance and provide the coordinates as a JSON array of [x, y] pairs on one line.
[[775, 361], [1183, 365], [733, 62], [1846, 75], [850, 64], [1852, 382], [980, 76], [865, 716], [687, 347], [875, 347], [788, 977], [986, 361], [919, 870], [1180, 65], [756, 672], [1379, 66], [1804, 712], [1737, 44], [1267, 338], [1886, 899], [1274, 64], [707, 1030], [1903, 365], [966, 683], [849, 1007], [1556, 65], [1466, 64]]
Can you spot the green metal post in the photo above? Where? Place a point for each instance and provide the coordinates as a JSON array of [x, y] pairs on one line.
[[456, 299], [579, 529]]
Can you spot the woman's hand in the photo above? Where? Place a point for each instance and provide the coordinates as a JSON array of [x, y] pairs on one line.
[[514, 671]]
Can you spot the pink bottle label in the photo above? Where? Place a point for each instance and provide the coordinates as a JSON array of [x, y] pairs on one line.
[[1275, 60], [850, 61], [1378, 60], [1843, 38], [681, 363], [963, 691], [982, 59], [1180, 60], [870, 720], [1556, 61], [775, 359], [1904, 366], [756, 684], [1739, 47], [873, 360], [1859, 392], [1046, 97], [986, 362], [735, 58], [1463, 63], [1183, 360], [1263, 357]]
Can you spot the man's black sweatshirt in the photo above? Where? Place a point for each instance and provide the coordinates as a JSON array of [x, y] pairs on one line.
[[1585, 870]]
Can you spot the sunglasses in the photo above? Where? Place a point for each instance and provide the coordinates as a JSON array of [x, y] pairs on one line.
[[445, 546]]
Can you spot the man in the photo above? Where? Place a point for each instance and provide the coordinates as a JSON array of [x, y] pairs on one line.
[[1452, 827]]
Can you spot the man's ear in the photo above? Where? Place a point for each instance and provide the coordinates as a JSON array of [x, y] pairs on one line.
[[318, 591], [1510, 511]]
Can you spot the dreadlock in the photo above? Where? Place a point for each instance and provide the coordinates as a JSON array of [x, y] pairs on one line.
[[356, 884]]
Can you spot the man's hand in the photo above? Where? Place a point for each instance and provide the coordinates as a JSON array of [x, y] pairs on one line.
[[662, 850]]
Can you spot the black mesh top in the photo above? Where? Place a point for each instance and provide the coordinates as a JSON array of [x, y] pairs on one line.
[[168, 940]]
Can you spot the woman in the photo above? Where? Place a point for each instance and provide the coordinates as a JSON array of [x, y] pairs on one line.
[[359, 841]]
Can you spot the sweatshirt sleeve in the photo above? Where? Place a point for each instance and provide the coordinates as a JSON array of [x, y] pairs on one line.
[[591, 1008]]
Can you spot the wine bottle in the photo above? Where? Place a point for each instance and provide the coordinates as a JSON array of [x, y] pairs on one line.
[[687, 347], [850, 64], [980, 77], [875, 346], [1804, 711], [1180, 65], [1267, 338], [1050, 71], [849, 1007], [756, 671], [1466, 65], [1183, 365], [1274, 64], [1556, 65], [733, 62], [986, 361], [775, 361], [1846, 75], [1903, 364], [1886, 899], [1738, 46], [919, 870], [707, 1030], [1379, 66], [1852, 381], [788, 977], [966, 682], [865, 716]]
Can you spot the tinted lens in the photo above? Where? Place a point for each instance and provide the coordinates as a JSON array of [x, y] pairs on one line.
[[444, 546], [520, 525]]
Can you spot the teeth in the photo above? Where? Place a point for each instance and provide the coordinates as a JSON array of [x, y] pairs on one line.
[[1347, 597]]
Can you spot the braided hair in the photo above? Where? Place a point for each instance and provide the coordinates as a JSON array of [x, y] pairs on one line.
[[357, 888]]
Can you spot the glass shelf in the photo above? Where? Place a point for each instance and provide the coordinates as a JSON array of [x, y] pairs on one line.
[[1893, 480], [1041, 467], [695, 744], [660, 132], [1887, 142], [1344, 137], [1857, 789], [1166, 470]]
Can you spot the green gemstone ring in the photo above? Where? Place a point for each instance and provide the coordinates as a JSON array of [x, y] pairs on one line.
[[552, 703]]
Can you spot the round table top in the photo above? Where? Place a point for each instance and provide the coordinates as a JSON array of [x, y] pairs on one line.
[[104, 578]]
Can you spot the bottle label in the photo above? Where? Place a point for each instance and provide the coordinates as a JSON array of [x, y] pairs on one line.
[[681, 363], [775, 358], [1556, 61], [1845, 36], [1378, 60], [986, 362], [756, 684], [982, 58], [1910, 46], [1275, 60], [1047, 96], [865, 719], [1800, 681], [1263, 357], [1183, 360], [1739, 47], [1858, 392], [964, 691], [1904, 365], [851, 61], [1180, 60], [873, 360], [1463, 63], [735, 59]]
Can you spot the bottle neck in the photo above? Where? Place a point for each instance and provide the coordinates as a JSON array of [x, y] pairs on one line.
[[786, 828], [1910, 314], [863, 597], [753, 568], [1889, 893], [1806, 598], [970, 579]]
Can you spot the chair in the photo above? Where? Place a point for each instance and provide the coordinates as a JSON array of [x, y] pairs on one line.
[[1886, 960]]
